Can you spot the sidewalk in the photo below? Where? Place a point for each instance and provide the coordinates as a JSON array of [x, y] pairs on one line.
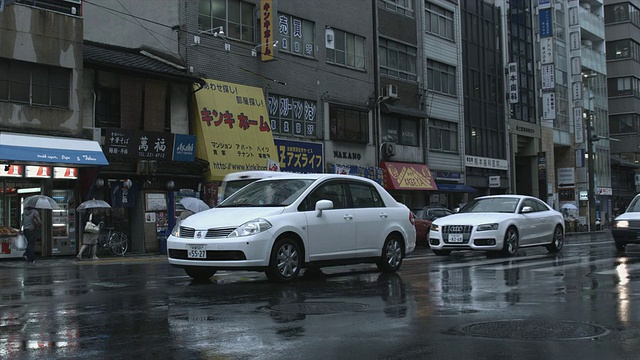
[[71, 260]]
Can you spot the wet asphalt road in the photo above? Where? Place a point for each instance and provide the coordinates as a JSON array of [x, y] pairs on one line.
[[580, 304]]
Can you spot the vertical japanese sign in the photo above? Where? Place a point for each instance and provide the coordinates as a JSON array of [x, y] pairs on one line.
[[266, 30], [546, 50], [548, 77], [578, 125], [546, 26], [514, 91], [549, 106], [233, 130]]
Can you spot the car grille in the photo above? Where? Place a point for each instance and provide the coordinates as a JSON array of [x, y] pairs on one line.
[[635, 224], [186, 232], [457, 229]]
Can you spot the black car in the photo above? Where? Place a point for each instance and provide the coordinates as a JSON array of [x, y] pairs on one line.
[[626, 227]]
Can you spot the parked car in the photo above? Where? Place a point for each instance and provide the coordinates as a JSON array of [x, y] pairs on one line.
[[626, 226], [501, 223], [424, 217], [282, 224]]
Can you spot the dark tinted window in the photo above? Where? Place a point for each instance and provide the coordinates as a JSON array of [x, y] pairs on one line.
[[329, 191], [365, 196]]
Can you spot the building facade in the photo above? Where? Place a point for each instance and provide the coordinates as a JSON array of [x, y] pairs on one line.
[[622, 20]]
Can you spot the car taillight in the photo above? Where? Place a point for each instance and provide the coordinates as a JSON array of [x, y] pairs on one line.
[[412, 218]]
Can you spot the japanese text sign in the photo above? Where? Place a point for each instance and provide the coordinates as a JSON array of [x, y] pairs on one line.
[[266, 29], [299, 156], [138, 144], [233, 130], [514, 91]]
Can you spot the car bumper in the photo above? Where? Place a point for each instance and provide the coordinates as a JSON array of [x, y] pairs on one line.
[[483, 240], [245, 252], [626, 235]]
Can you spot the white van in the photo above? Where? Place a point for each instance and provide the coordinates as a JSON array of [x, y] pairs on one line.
[[236, 181]]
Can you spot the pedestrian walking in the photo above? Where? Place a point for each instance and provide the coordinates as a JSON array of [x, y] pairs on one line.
[[89, 240], [31, 227]]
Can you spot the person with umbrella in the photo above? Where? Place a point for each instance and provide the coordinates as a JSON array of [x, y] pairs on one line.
[[31, 226], [91, 239], [191, 206]]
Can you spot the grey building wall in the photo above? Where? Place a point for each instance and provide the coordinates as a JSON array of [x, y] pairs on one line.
[[292, 75], [47, 38]]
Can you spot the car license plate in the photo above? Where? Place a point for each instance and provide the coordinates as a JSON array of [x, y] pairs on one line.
[[456, 238], [197, 252]]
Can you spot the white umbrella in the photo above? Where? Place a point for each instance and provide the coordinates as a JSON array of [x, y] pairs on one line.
[[569, 207], [194, 204], [93, 204], [40, 202]]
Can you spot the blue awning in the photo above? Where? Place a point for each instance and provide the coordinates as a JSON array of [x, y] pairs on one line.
[[24, 148], [455, 188]]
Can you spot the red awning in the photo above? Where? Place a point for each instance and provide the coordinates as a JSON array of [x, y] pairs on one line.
[[407, 176]]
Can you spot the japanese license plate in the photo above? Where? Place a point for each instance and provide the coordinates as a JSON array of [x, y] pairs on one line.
[[456, 238], [197, 252]]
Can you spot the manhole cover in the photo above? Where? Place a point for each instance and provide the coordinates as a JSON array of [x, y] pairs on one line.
[[535, 330], [318, 308]]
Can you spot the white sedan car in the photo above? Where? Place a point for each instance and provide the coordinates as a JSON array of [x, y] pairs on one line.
[[280, 225], [501, 223]]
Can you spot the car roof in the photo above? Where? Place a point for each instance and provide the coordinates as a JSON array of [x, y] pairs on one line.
[[506, 196], [317, 176], [254, 174]]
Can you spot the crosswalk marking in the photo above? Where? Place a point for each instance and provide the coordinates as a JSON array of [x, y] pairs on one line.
[[519, 264], [489, 262], [577, 265]]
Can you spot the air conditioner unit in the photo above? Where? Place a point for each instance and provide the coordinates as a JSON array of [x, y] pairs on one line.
[[92, 133], [328, 38], [391, 91], [389, 149]]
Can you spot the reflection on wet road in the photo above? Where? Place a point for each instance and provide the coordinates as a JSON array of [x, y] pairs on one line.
[[576, 304]]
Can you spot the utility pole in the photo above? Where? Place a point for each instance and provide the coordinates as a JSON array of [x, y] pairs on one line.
[[591, 187]]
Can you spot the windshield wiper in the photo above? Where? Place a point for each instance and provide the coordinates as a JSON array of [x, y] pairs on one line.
[[238, 205]]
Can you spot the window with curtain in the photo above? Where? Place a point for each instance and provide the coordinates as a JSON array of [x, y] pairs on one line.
[[441, 78], [439, 21], [397, 60], [348, 124], [443, 135], [348, 50], [403, 131]]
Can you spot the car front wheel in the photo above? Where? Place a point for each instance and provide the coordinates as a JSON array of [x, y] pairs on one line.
[[510, 246], [558, 240], [285, 261], [391, 255], [200, 273]]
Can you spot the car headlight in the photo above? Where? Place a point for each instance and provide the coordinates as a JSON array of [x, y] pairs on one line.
[[252, 227], [176, 230], [435, 227], [621, 224], [486, 227]]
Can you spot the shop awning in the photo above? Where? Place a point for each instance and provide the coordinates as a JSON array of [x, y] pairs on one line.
[[407, 176], [404, 110], [455, 188], [24, 148]]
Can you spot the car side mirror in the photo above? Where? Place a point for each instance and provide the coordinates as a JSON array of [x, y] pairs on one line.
[[323, 205], [456, 210], [526, 209]]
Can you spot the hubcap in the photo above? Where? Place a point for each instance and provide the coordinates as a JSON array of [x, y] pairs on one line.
[[394, 253], [511, 242], [559, 239], [287, 260]]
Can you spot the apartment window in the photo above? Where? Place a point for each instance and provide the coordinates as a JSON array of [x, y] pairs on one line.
[[34, 84], [441, 78], [622, 12], [235, 16], [438, 21], [624, 124], [624, 86], [401, 131], [108, 107], [443, 135], [348, 50], [623, 49], [292, 116], [398, 60], [296, 36], [348, 124], [404, 7]]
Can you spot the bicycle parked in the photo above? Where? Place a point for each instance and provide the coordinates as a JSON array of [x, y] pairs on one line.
[[112, 241]]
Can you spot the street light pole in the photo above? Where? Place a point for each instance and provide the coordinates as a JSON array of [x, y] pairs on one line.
[[591, 207]]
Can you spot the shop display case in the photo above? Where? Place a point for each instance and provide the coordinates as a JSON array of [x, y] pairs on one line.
[[8, 238]]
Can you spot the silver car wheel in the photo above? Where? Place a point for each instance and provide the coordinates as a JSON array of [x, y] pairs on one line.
[[510, 246], [394, 253], [287, 260]]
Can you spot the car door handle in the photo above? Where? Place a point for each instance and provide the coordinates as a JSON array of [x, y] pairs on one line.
[[383, 215], [543, 220], [348, 217]]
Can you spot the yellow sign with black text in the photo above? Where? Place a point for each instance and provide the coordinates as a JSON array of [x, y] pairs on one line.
[[233, 129]]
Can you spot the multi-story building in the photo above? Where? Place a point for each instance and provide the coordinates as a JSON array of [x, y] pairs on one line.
[[487, 158], [41, 149], [622, 20]]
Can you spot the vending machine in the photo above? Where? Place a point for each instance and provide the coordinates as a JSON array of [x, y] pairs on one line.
[[63, 222]]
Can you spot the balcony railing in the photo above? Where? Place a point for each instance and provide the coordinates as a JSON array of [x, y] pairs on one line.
[[591, 22], [594, 60]]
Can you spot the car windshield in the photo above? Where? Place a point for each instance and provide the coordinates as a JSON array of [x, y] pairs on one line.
[[500, 204], [232, 186], [635, 205], [274, 192]]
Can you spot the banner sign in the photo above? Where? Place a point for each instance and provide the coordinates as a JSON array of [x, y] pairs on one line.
[[184, 148], [374, 173], [138, 144], [546, 27], [299, 156], [266, 33], [514, 91], [578, 125], [233, 129]]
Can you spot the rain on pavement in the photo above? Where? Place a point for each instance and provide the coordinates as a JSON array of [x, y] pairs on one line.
[[580, 303]]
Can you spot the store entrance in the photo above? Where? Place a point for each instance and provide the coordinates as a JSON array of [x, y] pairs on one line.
[[12, 193]]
